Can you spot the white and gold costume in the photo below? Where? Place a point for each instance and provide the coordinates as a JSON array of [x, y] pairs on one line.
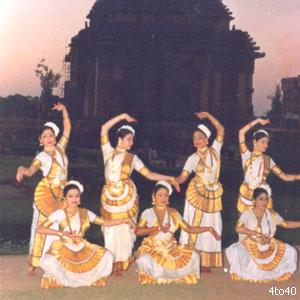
[[256, 171], [203, 204], [70, 264], [160, 258], [48, 196], [251, 260], [119, 200]]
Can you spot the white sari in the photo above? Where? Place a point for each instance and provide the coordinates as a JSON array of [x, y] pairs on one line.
[[203, 204], [160, 258], [251, 260]]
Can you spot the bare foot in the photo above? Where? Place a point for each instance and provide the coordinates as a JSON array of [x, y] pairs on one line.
[[31, 271], [117, 273], [206, 270]]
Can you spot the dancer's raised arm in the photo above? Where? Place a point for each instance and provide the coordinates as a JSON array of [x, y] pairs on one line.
[[206, 115], [109, 124], [246, 128], [66, 120]]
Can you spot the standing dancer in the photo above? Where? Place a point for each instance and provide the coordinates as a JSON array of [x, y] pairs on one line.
[[204, 194], [48, 195], [257, 165], [119, 199]]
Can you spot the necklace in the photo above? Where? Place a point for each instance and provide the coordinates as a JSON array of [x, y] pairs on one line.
[[256, 179], [68, 219], [115, 167], [259, 220], [118, 149], [203, 155], [161, 222], [53, 155]]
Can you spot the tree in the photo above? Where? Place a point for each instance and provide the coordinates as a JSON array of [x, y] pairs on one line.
[[275, 113], [18, 106], [48, 80]]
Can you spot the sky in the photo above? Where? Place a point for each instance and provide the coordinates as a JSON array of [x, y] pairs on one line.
[[34, 29]]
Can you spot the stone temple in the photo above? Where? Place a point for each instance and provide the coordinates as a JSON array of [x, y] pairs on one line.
[[161, 60]]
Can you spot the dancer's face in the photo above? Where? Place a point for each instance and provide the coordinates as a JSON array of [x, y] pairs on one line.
[[126, 142], [200, 140], [261, 202], [261, 145], [47, 138], [73, 198], [161, 198]]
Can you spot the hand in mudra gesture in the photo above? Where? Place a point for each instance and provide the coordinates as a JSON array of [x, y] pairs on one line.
[[131, 223], [129, 118], [266, 239], [202, 114], [166, 228], [264, 121], [20, 174], [58, 106], [215, 234]]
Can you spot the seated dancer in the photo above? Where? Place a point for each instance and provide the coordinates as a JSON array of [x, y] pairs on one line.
[[53, 162], [160, 258], [119, 198], [257, 165], [71, 260], [203, 202], [258, 256]]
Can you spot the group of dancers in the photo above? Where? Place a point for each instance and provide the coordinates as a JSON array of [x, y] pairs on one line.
[[57, 242]]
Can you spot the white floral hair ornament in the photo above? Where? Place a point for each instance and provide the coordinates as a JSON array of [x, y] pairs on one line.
[[267, 188], [166, 185], [54, 127], [261, 131], [76, 183], [205, 130], [128, 127]]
